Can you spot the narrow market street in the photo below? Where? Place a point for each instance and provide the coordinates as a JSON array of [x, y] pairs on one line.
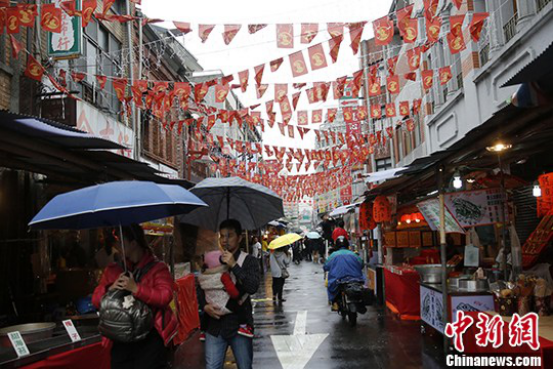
[[379, 340]]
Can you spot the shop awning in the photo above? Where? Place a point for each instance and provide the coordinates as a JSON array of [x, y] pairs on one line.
[[56, 133], [341, 210], [535, 70], [383, 175], [529, 131]]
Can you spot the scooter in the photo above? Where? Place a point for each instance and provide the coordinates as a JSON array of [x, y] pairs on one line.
[[352, 299]]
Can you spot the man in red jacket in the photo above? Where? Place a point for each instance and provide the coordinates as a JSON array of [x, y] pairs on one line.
[[155, 289]]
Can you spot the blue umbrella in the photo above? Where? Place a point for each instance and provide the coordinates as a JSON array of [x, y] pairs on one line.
[[115, 204], [313, 235]]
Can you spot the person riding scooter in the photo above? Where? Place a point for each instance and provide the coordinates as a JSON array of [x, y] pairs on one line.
[[342, 265]]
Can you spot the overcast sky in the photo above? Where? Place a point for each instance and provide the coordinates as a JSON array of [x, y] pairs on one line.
[[247, 51]]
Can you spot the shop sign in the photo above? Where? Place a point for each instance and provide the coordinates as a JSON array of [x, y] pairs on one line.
[[91, 120], [18, 344], [430, 209], [431, 308], [475, 208], [68, 43], [544, 202]]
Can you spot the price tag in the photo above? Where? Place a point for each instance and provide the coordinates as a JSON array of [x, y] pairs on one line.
[[71, 330], [18, 344]]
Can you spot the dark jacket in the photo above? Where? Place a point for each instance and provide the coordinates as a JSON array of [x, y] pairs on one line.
[[248, 281]]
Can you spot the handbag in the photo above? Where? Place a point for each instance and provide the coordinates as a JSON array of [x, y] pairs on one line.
[[124, 318]]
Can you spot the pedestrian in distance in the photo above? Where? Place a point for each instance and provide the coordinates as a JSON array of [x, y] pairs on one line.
[[279, 260], [222, 330], [155, 289]]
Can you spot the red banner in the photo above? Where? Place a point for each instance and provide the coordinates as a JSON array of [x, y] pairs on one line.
[[331, 114], [221, 92], [334, 47], [302, 117], [356, 31], [285, 36], [456, 22], [184, 27], [281, 90], [308, 32], [317, 57], [445, 75], [404, 108], [12, 20], [253, 28], [476, 25], [374, 86], [204, 31], [456, 43], [243, 78], [258, 73], [433, 28], [383, 30], [427, 78], [27, 14], [297, 64], [230, 32], [260, 90], [51, 18], [393, 84], [34, 69], [101, 81], [275, 64], [317, 116], [16, 46], [200, 91], [295, 98], [414, 58], [376, 111], [390, 110]]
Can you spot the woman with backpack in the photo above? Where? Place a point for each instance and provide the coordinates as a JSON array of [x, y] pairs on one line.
[[134, 306]]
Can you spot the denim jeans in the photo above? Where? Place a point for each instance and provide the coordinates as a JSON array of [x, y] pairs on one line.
[[216, 347]]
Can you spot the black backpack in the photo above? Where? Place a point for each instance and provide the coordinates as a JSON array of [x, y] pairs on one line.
[[124, 318]]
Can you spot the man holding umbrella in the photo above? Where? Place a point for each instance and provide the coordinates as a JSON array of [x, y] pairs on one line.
[[222, 330]]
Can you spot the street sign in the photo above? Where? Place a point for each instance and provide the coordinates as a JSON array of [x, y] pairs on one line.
[[18, 344], [68, 43], [71, 330]]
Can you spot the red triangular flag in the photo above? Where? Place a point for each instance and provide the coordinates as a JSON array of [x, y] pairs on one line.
[[204, 31], [258, 73], [275, 64]]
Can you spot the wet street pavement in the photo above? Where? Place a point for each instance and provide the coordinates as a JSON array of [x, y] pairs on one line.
[[287, 334]]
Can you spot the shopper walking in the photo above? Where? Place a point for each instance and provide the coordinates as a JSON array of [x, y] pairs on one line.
[[279, 260]]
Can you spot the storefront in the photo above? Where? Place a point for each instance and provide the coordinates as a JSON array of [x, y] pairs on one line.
[[48, 276]]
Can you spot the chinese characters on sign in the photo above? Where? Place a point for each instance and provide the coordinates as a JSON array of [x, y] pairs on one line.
[[521, 330], [67, 43], [18, 344], [71, 330]]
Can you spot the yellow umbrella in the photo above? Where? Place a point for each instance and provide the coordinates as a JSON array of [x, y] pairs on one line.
[[284, 241]]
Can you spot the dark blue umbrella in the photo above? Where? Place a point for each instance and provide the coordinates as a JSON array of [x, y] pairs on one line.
[[115, 204], [234, 198]]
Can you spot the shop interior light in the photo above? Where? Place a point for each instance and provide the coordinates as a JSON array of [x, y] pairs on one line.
[[470, 180], [499, 147], [537, 192], [457, 182]]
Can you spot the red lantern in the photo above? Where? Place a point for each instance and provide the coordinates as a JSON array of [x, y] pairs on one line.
[[381, 209], [366, 217]]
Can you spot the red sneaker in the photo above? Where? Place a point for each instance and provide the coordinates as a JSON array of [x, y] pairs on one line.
[[202, 337], [246, 331]]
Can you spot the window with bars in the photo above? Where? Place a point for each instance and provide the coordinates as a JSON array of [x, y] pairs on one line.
[[101, 55]]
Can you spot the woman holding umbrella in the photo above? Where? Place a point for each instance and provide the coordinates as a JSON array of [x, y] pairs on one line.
[[154, 289], [279, 259]]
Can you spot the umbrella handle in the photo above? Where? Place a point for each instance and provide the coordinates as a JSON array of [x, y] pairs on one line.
[[123, 249]]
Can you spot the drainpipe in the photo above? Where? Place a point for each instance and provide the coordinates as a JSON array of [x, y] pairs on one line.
[[134, 125]]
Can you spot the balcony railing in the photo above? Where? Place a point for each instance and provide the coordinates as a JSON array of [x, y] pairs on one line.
[[510, 29], [541, 4]]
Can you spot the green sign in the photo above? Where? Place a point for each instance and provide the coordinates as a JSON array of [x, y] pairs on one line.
[[68, 43]]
